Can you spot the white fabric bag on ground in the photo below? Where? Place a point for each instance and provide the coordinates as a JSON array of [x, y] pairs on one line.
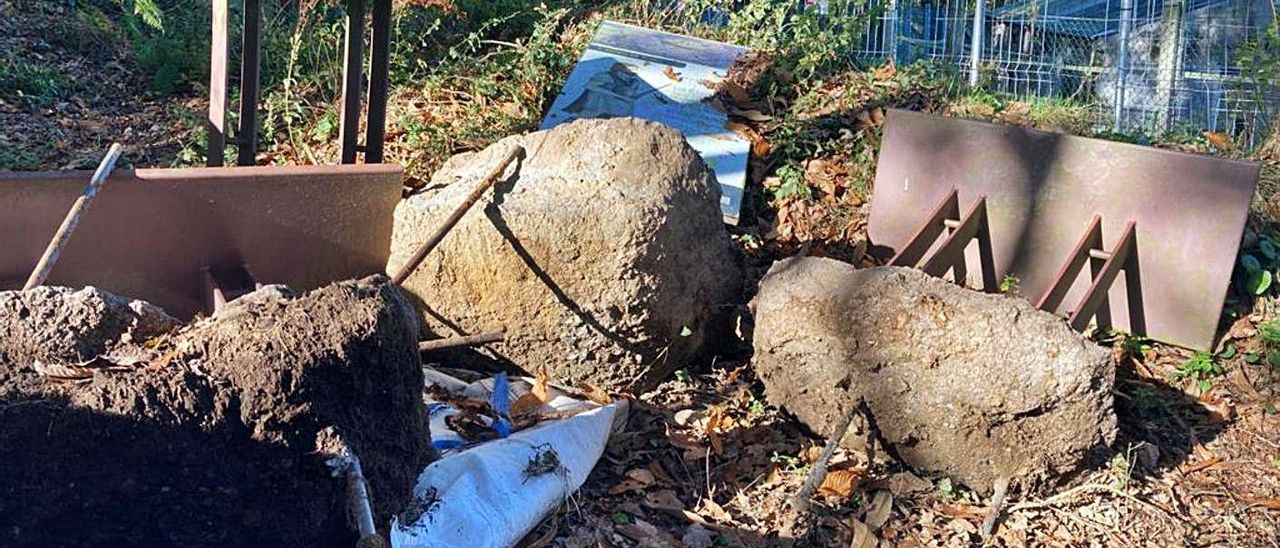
[[493, 494]]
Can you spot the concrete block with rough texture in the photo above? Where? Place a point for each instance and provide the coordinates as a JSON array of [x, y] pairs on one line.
[[605, 258], [960, 383]]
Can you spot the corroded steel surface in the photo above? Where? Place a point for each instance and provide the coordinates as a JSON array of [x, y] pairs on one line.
[[1043, 190], [151, 231]]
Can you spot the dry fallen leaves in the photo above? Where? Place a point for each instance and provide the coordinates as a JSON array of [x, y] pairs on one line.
[[540, 389], [636, 480], [672, 74], [840, 484], [1220, 141]]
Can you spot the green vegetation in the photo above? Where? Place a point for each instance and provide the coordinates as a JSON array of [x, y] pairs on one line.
[[1203, 367], [31, 82]]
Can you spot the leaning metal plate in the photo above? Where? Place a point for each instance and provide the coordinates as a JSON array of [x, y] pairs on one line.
[[149, 232], [1043, 189]]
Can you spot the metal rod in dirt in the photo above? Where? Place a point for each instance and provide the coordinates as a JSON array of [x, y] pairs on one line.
[[803, 499], [72, 220], [358, 491], [458, 342], [453, 219]]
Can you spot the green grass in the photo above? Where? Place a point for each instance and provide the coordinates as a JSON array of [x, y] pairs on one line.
[[31, 82]]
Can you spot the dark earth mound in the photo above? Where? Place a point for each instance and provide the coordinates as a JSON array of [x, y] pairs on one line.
[[220, 435]]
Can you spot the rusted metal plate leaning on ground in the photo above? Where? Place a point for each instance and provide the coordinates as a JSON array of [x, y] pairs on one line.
[[150, 231], [1043, 190]]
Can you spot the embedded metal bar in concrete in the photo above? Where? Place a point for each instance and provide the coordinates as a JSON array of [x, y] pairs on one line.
[[151, 232], [1042, 188]]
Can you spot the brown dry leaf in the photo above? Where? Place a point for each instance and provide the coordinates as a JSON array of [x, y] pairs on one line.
[[1270, 504], [718, 422], [637, 480], [878, 512], [862, 535], [672, 74], [889, 70], [1220, 141], [840, 483], [660, 475], [540, 385], [664, 499], [714, 511], [62, 372], [735, 92], [595, 393], [877, 116], [526, 404], [863, 118]]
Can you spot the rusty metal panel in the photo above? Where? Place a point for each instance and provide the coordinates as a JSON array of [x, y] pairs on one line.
[[151, 231], [1043, 190]]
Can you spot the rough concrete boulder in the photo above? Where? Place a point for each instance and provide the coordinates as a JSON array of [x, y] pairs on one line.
[[222, 435], [960, 383], [605, 258]]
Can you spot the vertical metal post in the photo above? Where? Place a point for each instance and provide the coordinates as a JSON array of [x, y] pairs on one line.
[[975, 54], [217, 122], [1122, 62], [1170, 60], [379, 57], [891, 30], [352, 78], [250, 55]]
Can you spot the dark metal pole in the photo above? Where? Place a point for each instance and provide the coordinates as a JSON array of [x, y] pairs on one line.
[[217, 123], [352, 72], [378, 66], [250, 54]]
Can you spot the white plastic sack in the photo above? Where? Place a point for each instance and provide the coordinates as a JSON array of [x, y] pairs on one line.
[[493, 494]]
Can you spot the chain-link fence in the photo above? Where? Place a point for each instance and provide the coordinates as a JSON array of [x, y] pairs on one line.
[[1152, 65]]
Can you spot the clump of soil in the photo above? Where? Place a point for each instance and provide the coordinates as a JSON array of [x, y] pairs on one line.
[[605, 256], [221, 434], [60, 325], [973, 386]]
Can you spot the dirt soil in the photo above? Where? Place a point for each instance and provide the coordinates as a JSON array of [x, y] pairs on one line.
[[219, 434]]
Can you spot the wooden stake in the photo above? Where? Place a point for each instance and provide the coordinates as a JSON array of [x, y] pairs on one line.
[[458, 342], [69, 223], [434, 240]]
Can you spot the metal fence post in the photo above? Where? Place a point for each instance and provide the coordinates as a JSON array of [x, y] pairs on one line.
[[975, 53], [891, 31], [1122, 62], [1170, 60]]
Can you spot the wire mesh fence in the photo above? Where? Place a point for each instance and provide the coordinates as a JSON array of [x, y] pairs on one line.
[[1145, 65]]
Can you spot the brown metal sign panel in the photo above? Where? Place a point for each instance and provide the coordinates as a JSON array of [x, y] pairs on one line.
[[149, 232], [1043, 191]]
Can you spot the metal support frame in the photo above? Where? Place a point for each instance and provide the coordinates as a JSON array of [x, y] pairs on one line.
[[951, 254], [353, 80], [221, 285], [246, 137], [1104, 266]]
